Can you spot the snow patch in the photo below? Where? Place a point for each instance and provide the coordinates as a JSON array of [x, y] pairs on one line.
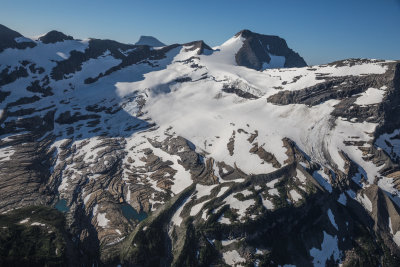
[[240, 206], [323, 180], [267, 203], [273, 192], [222, 191], [370, 97], [102, 220], [246, 192], [332, 219], [224, 220], [24, 220], [22, 39], [176, 218], [204, 190], [329, 247], [196, 208], [228, 242], [295, 195], [275, 62], [232, 258], [342, 199], [365, 201], [62, 55], [38, 224], [396, 237]]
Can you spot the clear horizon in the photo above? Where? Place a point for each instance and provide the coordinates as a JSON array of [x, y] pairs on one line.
[[319, 32]]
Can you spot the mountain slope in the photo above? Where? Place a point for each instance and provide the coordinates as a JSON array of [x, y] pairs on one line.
[[231, 160]]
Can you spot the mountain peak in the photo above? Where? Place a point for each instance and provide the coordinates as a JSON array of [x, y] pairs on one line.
[[150, 41], [9, 39], [200, 45], [261, 51], [54, 37], [244, 33], [8, 33]]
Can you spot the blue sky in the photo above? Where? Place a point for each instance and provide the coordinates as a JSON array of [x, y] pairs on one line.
[[320, 30]]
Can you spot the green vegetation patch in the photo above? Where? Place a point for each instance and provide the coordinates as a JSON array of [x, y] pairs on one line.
[[32, 236]]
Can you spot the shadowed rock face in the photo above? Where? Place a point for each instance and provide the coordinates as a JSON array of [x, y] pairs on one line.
[[54, 37], [7, 39], [150, 41], [258, 48]]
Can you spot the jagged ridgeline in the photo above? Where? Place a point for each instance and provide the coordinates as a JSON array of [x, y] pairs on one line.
[[186, 155]]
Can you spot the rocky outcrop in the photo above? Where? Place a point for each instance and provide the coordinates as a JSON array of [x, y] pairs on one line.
[[8, 76], [128, 54], [391, 105], [200, 46], [54, 37], [96, 48], [339, 88], [258, 49]]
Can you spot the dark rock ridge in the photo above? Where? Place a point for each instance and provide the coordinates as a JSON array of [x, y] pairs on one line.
[[150, 41], [7, 39], [258, 48], [347, 89], [200, 46], [334, 88], [129, 54], [54, 37]]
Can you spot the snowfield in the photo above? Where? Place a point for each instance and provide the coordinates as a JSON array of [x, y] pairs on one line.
[[199, 112]]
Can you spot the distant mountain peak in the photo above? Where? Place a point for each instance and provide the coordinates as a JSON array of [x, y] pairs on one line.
[[150, 41], [54, 37]]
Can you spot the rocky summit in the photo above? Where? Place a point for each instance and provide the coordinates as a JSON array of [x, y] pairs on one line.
[[150, 41], [190, 155]]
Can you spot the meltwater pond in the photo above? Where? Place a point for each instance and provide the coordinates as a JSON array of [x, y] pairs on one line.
[[130, 213], [61, 205]]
